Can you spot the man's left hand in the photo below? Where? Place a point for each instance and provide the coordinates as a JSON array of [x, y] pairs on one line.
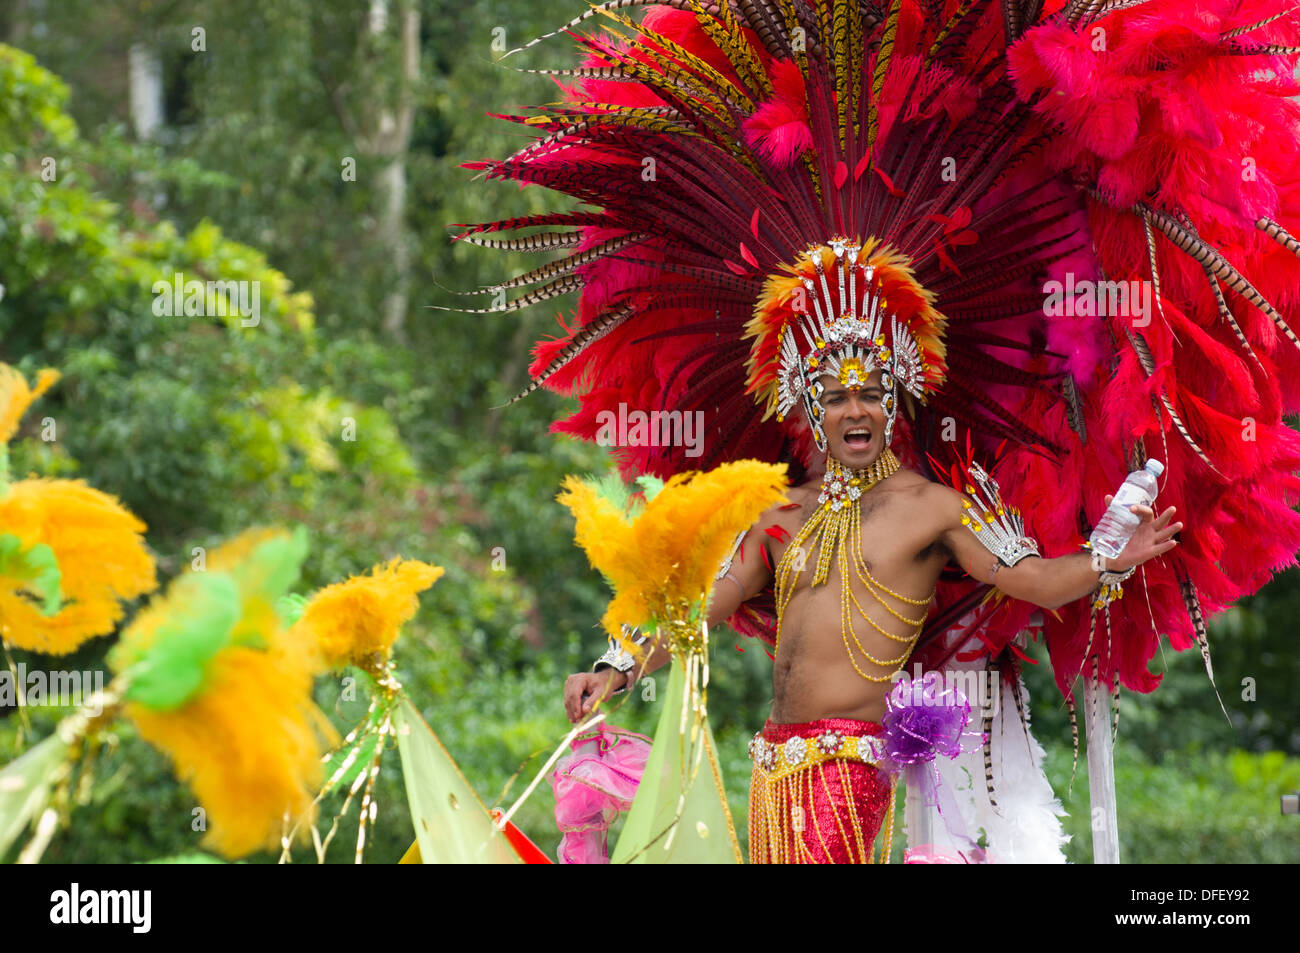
[[1153, 537]]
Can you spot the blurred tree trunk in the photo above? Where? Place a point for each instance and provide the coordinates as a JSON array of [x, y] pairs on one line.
[[15, 22], [379, 120], [146, 89], [148, 115]]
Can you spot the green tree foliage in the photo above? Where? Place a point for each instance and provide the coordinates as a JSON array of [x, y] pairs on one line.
[[204, 426]]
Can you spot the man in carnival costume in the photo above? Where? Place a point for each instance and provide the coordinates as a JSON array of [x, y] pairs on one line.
[[820, 222], [857, 555]]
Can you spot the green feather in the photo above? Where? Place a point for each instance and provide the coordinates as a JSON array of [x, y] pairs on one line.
[[36, 566], [172, 669], [291, 607], [650, 486], [612, 488]]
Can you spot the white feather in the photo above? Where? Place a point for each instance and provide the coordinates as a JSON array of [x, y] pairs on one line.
[[1026, 827]]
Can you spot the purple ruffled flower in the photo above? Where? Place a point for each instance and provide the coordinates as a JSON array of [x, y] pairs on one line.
[[924, 719]]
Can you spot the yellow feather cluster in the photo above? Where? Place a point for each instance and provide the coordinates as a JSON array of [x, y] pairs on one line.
[[258, 613], [249, 743], [249, 746], [352, 621], [97, 542], [16, 397], [100, 552], [669, 553]]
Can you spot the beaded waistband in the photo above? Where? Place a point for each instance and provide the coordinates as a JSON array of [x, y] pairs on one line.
[[797, 753]]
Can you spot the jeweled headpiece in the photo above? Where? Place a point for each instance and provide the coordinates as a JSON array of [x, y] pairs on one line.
[[845, 309]]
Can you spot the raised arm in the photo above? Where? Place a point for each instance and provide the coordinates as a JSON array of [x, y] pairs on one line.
[[1049, 583]]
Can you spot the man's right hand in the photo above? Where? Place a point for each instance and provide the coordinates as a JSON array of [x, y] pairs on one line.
[[583, 690]]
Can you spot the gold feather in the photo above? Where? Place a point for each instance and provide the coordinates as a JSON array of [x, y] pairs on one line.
[[948, 27], [878, 77], [840, 55], [674, 80], [858, 29], [603, 8], [725, 33], [684, 57], [650, 118], [677, 66]]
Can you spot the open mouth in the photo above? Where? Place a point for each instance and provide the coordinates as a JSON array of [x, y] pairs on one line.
[[859, 438]]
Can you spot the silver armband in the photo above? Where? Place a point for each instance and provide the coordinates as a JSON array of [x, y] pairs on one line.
[[999, 528], [619, 658], [735, 548]]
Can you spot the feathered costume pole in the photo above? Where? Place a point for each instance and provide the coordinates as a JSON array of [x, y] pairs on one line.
[[1100, 198], [661, 579]]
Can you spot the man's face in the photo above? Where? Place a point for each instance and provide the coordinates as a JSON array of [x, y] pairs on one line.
[[854, 421]]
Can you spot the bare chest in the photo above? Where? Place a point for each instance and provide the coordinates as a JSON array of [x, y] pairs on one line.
[[889, 533]]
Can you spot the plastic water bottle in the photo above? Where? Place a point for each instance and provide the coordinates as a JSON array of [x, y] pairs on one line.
[[1117, 524]]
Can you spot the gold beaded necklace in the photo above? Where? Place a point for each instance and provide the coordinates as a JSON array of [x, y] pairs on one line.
[[836, 527]]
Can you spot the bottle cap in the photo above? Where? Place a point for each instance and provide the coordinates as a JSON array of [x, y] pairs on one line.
[[1156, 467]]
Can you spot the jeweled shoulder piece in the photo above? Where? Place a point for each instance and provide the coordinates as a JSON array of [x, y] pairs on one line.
[[997, 526]]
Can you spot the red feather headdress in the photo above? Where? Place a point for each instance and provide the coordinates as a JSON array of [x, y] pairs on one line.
[[1027, 166]]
